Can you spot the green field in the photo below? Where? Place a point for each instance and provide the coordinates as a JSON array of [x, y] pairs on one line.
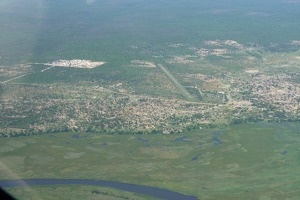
[[254, 161]]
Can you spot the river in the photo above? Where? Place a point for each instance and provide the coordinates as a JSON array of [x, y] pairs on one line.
[[146, 190]]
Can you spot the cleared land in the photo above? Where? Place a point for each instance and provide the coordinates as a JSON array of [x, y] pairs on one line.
[[85, 64]]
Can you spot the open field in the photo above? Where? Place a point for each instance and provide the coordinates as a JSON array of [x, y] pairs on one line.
[[254, 161]]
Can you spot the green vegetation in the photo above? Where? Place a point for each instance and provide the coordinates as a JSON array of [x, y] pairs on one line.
[[105, 30], [253, 161], [168, 122]]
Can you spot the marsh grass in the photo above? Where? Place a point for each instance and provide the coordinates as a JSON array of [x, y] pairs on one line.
[[233, 162]]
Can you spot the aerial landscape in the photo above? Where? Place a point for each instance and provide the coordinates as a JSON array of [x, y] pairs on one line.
[[199, 99]]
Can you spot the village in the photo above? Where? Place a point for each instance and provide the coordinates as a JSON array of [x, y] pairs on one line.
[[256, 97], [269, 93]]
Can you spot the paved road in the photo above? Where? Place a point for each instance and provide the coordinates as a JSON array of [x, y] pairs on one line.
[[147, 190], [183, 91]]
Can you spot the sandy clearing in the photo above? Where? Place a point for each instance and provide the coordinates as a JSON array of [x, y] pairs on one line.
[[296, 42], [86, 64], [252, 71]]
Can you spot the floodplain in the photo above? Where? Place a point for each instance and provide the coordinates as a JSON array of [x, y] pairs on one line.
[[250, 161]]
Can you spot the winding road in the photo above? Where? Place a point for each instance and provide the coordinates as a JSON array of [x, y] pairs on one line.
[[146, 190]]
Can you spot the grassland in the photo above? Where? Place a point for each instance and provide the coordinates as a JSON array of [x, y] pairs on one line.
[[254, 161]]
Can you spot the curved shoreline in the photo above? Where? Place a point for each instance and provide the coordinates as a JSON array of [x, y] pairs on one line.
[[146, 190]]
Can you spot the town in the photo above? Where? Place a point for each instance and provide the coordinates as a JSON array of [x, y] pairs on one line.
[[267, 93]]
